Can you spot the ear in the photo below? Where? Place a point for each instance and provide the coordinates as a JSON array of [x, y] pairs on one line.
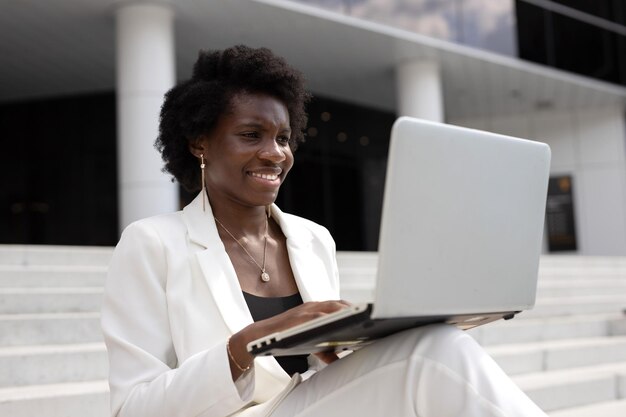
[[198, 146]]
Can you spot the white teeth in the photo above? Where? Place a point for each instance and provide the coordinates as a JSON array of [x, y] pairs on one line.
[[270, 177]]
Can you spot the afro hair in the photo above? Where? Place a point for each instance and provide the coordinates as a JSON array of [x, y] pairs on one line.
[[193, 107]]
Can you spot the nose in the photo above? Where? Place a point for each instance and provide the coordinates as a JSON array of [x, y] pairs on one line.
[[272, 151]]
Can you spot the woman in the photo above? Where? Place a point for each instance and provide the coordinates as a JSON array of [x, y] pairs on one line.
[[187, 291]]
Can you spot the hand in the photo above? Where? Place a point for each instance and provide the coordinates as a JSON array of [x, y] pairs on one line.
[[297, 315]]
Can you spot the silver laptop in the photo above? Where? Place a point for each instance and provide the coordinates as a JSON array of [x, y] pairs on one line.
[[460, 238]]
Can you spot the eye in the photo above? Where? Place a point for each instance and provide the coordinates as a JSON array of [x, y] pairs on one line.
[[251, 134], [283, 139]]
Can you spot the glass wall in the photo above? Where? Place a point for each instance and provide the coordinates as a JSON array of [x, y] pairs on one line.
[[583, 37], [483, 24], [59, 172], [339, 172], [611, 10]]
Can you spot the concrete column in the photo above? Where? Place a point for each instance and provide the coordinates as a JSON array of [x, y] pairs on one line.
[[419, 91], [145, 71]]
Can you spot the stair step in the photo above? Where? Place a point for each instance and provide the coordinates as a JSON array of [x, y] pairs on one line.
[[560, 389], [356, 294], [591, 304], [54, 255], [49, 300], [558, 354], [580, 287], [56, 400], [365, 260], [560, 297], [359, 282], [550, 266], [583, 272], [580, 261], [606, 409], [525, 330], [52, 276], [49, 329], [51, 364]]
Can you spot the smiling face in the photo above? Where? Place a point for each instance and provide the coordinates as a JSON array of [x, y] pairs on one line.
[[247, 154]]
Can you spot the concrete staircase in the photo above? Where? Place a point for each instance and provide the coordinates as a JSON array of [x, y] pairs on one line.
[[52, 359], [568, 354]]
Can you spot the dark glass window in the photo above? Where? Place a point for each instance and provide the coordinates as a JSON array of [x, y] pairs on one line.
[[585, 49], [560, 223], [532, 38], [569, 44], [59, 172], [612, 10], [338, 176]]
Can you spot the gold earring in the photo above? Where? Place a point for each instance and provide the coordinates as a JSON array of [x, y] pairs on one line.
[[203, 191]]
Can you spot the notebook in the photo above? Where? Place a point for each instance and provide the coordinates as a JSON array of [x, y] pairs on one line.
[[460, 238]]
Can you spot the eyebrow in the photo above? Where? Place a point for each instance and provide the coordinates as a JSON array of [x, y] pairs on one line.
[[259, 126]]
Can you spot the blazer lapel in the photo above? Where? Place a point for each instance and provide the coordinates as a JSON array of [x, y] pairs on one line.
[[308, 269], [217, 269]]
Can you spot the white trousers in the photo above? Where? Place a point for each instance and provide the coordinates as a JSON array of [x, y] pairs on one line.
[[432, 371]]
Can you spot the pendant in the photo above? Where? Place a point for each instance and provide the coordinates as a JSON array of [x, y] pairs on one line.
[[265, 277]]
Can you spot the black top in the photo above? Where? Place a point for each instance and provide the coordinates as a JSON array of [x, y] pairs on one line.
[[262, 308]]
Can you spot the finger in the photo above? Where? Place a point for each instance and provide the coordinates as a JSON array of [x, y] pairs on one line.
[[327, 357]]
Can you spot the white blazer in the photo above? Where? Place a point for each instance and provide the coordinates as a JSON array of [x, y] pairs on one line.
[[171, 301]]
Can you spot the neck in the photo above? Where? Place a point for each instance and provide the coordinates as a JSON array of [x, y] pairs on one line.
[[241, 220]]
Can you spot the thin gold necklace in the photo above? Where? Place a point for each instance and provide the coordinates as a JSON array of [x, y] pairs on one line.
[[265, 277]]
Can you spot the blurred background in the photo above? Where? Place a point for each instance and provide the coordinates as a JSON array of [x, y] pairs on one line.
[[81, 85], [82, 82]]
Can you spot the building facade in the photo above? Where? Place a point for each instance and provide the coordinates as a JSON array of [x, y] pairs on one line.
[[80, 94]]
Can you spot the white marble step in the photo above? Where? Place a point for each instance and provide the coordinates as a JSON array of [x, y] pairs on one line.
[[580, 287], [551, 355], [358, 278], [78, 399], [50, 300], [558, 299], [521, 330], [52, 364], [48, 329], [356, 287], [573, 305], [605, 409], [54, 255], [596, 388], [567, 274], [52, 276], [559, 267], [61, 328], [577, 261], [84, 299], [550, 390], [554, 390], [367, 273], [367, 260], [562, 301]]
